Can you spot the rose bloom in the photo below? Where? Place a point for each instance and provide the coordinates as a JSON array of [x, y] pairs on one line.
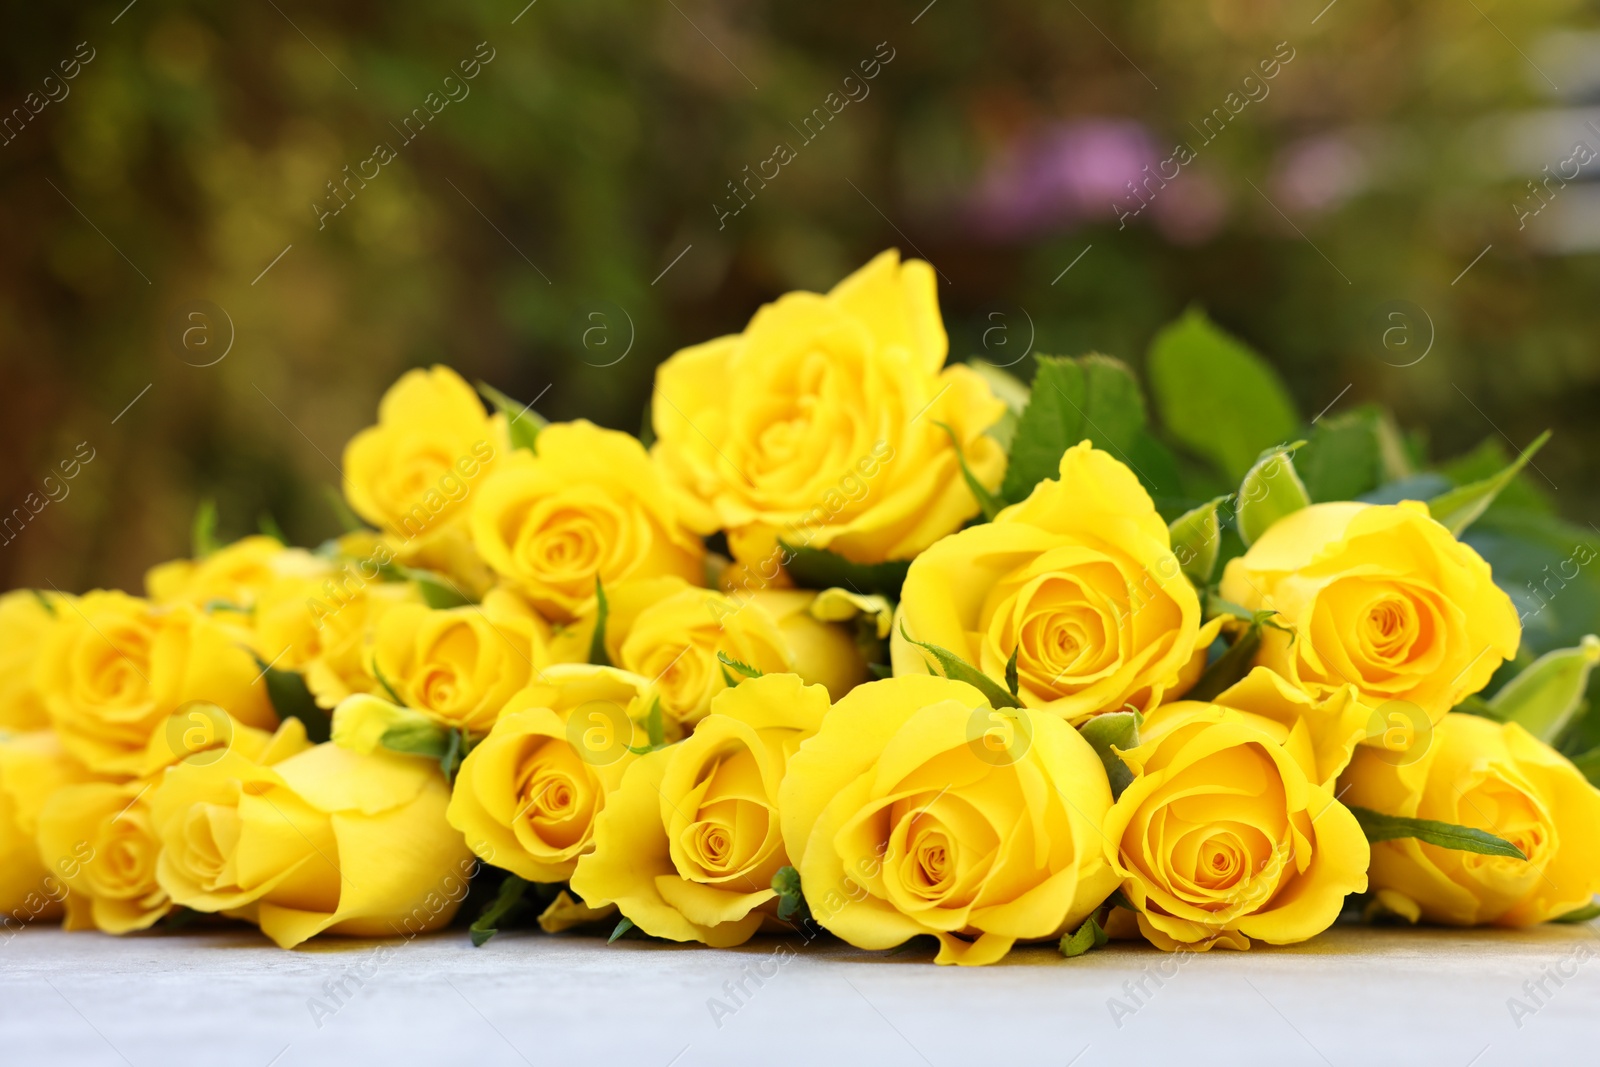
[[33, 766], [114, 667], [459, 665], [1380, 597], [24, 617], [1227, 832], [818, 423], [101, 839], [1494, 777], [319, 626], [590, 505], [528, 795], [688, 847], [919, 809], [326, 840], [413, 474], [1079, 580], [671, 632], [234, 576]]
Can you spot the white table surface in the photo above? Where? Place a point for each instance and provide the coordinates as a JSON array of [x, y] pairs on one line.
[[1356, 995]]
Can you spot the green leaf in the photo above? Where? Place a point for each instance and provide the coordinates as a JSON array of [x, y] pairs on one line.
[[1231, 666], [1119, 729], [1088, 936], [270, 528], [291, 699], [602, 613], [1011, 671], [816, 568], [1380, 827], [1095, 398], [1216, 397], [960, 670], [203, 534], [741, 668], [1580, 915], [508, 902], [655, 729], [1545, 696], [622, 927], [1350, 454], [1461, 506], [1271, 490], [1197, 540], [438, 591], [522, 421], [377, 672], [348, 521], [1487, 460], [419, 739], [988, 503], [791, 901]]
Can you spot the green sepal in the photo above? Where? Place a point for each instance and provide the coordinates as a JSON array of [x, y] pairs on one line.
[[791, 901], [1380, 827], [602, 612], [958, 669], [269, 528], [1462, 506], [817, 568], [203, 532], [622, 927], [655, 729], [1236, 662], [1549, 692], [438, 592], [1012, 683], [508, 902], [522, 422], [742, 669], [1087, 937], [1579, 915], [1197, 540], [292, 699], [1271, 490], [988, 503], [1114, 730]]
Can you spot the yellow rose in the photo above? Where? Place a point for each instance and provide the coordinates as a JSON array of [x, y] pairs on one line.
[[1227, 833], [591, 505], [413, 474], [33, 766], [819, 423], [459, 665], [918, 809], [671, 632], [319, 626], [688, 847], [235, 575], [1494, 777], [1079, 581], [101, 839], [324, 841], [24, 617], [114, 668], [527, 796], [1380, 597]]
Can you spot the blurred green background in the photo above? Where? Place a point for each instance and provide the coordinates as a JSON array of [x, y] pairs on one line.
[[565, 220]]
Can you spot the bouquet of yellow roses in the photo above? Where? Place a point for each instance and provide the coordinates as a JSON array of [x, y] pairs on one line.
[[856, 640]]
